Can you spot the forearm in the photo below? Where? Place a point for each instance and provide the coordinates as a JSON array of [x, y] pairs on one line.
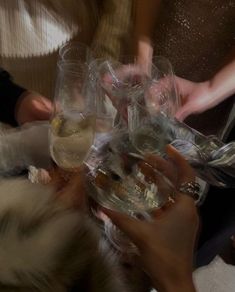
[[185, 286], [179, 284], [9, 95], [146, 13], [222, 85]]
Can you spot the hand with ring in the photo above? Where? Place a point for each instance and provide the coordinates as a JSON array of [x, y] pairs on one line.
[[166, 243]]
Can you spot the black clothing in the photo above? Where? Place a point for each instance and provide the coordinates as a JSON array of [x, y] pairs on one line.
[[217, 221], [9, 95]]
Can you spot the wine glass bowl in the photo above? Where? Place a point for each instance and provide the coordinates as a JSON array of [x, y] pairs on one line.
[[73, 120], [122, 80], [135, 192], [74, 51], [161, 94], [147, 130], [106, 112]]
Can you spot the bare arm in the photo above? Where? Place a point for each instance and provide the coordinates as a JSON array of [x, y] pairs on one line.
[[222, 85], [146, 13], [199, 97], [182, 283], [113, 28]]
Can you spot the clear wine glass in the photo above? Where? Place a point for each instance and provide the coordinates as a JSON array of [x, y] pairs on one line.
[[73, 121], [148, 131], [74, 51], [123, 83], [134, 193], [106, 113], [161, 94]]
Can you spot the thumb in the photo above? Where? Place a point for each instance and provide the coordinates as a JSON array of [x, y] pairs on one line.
[[183, 113], [186, 173]]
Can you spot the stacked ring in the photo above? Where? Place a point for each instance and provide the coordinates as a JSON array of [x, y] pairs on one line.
[[191, 189]]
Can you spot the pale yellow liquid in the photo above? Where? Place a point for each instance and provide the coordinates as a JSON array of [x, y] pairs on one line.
[[70, 139]]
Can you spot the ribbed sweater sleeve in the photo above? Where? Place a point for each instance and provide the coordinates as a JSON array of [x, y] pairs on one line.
[[113, 28], [9, 95]]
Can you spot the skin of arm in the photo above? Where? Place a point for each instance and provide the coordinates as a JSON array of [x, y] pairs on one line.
[[146, 13], [183, 283], [222, 85], [199, 97]]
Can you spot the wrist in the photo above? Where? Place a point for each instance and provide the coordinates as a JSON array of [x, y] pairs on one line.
[[172, 283], [222, 84], [218, 90], [209, 93]]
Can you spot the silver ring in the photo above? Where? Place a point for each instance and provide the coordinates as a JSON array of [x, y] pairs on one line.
[[191, 189]]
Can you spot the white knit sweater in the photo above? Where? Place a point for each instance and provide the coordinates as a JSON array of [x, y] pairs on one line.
[[31, 31]]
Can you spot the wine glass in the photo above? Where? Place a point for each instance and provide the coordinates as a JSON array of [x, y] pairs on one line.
[[161, 94], [73, 121], [118, 183], [148, 131], [107, 121], [123, 83], [106, 112], [74, 51], [135, 193]]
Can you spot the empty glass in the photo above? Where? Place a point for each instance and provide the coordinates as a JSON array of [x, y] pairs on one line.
[[123, 83], [75, 51], [106, 112], [161, 94], [147, 130], [73, 120]]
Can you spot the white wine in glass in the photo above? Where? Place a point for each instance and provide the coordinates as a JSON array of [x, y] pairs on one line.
[[73, 122], [71, 138]]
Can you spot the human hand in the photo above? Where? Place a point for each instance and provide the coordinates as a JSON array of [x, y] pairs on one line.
[[195, 97], [166, 243], [32, 107], [198, 97], [70, 187]]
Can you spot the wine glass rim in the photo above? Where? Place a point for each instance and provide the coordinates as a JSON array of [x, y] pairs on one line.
[[76, 44], [77, 66], [162, 58]]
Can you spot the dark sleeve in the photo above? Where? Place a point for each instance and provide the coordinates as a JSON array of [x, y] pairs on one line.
[[9, 95]]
